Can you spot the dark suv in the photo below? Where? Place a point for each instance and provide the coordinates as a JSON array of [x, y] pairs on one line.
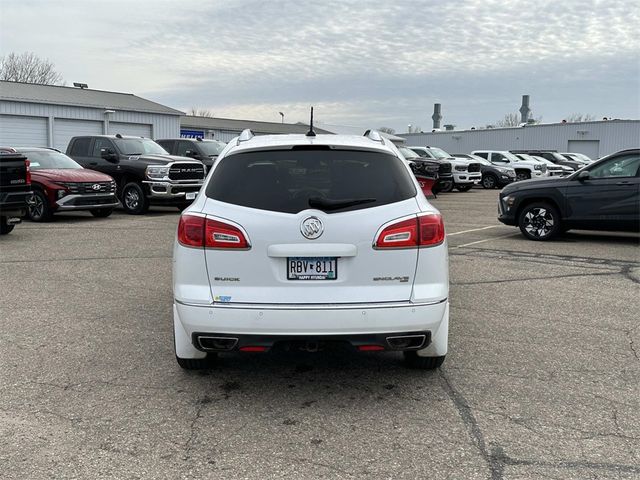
[[15, 189], [145, 173], [197, 148]]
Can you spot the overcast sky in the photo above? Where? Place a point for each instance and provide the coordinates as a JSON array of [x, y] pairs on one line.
[[367, 64]]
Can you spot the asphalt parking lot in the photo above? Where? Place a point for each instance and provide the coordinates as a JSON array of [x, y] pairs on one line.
[[542, 379]]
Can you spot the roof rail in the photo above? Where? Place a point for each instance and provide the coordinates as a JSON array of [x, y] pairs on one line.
[[374, 135], [245, 136]]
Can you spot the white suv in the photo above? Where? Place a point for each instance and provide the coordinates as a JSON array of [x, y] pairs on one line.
[[302, 241], [525, 169]]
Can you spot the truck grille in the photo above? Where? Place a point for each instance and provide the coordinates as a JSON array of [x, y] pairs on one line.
[[474, 167], [461, 168], [186, 171], [89, 187], [445, 167]]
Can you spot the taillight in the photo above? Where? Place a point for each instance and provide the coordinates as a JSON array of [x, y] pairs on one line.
[[202, 232], [191, 231], [422, 231], [28, 165]]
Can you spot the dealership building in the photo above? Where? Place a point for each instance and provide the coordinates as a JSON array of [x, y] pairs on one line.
[[44, 115], [225, 129]]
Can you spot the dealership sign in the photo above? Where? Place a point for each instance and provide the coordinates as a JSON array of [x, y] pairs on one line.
[[187, 133]]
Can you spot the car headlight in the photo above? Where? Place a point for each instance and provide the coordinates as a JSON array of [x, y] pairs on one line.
[[61, 193], [508, 202], [155, 172], [537, 167]]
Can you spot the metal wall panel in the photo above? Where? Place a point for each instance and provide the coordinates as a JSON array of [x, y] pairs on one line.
[[162, 125], [22, 131], [135, 129], [64, 129], [612, 136]]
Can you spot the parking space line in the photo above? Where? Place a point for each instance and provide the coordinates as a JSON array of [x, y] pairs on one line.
[[487, 240], [472, 230]]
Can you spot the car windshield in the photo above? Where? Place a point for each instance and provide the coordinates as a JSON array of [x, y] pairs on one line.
[[511, 156], [481, 160], [212, 148], [139, 146], [541, 159], [408, 154], [531, 158], [439, 153], [40, 159], [290, 181]]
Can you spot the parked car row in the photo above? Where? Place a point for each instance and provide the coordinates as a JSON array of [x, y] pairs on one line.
[[99, 172]]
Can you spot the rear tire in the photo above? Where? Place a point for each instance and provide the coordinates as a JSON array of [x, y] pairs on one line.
[[197, 363], [101, 212], [39, 210], [133, 199], [4, 226], [539, 221], [489, 181], [464, 188], [413, 360]]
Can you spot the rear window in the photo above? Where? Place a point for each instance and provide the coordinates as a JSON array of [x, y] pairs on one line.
[[290, 181]]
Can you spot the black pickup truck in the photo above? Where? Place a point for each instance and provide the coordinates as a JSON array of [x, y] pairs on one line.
[[145, 173], [15, 190]]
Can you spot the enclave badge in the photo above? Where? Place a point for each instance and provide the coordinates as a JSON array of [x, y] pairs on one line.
[[311, 228]]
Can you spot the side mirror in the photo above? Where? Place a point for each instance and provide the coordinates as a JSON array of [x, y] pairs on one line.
[[582, 176], [109, 155]]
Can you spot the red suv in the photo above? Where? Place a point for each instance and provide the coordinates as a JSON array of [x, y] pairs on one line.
[[60, 184]]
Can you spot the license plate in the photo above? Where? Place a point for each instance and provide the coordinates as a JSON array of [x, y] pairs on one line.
[[190, 195], [312, 268]]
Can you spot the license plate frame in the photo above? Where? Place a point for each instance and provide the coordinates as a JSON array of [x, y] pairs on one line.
[[322, 272]]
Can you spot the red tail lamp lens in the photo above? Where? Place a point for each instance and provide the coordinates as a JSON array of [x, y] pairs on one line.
[[422, 231], [200, 232]]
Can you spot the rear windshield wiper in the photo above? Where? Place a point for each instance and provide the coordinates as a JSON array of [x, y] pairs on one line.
[[330, 204]]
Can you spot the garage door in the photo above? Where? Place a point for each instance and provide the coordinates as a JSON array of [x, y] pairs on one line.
[[65, 128], [18, 131], [135, 129], [590, 148]]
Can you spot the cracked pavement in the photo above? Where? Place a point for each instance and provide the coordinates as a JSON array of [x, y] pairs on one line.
[[542, 379]]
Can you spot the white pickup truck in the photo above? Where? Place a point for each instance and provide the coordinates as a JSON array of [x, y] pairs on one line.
[[466, 173], [525, 169]]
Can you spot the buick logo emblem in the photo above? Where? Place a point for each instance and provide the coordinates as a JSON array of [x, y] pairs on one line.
[[96, 186], [311, 228]]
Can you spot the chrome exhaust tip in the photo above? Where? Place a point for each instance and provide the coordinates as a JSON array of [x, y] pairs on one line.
[[216, 344], [406, 342]]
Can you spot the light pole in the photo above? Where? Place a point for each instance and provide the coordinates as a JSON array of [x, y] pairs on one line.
[[282, 115], [409, 126]]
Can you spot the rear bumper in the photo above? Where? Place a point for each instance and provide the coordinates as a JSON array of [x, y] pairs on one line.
[[305, 320], [266, 325], [14, 204]]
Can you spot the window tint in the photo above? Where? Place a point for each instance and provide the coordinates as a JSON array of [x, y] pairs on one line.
[[183, 146], [624, 166], [99, 144], [290, 181], [80, 147], [167, 144], [498, 157]]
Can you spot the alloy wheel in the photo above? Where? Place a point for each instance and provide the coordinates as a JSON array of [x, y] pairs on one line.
[[539, 222], [489, 182], [36, 207], [131, 199]]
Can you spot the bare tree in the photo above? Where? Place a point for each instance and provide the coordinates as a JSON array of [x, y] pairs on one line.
[[200, 112], [580, 117], [513, 120], [388, 130], [29, 68], [509, 120]]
